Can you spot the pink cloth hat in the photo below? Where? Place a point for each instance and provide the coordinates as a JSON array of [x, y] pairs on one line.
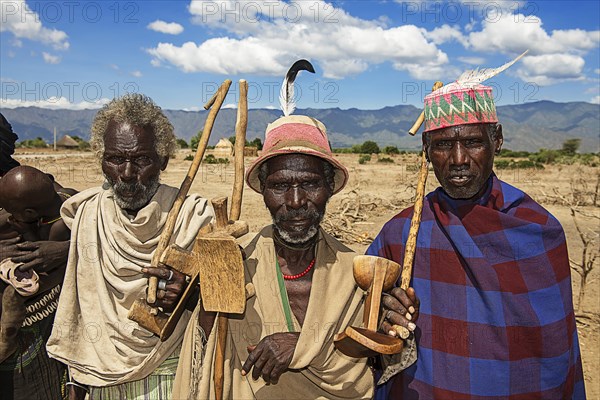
[[297, 134]]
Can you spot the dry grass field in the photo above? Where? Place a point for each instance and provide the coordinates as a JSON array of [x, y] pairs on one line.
[[376, 192]]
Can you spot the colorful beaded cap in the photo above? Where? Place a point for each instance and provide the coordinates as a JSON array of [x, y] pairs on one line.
[[453, 105]]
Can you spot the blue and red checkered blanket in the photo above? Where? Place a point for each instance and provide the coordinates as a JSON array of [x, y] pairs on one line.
[[496, 318]]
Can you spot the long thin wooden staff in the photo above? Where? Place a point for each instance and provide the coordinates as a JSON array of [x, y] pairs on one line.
[[234, 215], [415, 222], [214, 104]]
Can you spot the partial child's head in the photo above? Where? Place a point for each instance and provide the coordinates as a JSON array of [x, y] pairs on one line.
[[25, 193]]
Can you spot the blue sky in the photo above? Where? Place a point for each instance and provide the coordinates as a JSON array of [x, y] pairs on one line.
[[367, 54]]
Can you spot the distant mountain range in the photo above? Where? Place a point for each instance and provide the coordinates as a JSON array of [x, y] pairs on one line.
[[529, 126]]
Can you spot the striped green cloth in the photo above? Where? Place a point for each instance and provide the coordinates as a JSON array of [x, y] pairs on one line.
[[157, 386]]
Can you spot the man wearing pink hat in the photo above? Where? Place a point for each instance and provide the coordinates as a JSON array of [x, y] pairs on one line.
[[303, 288], [491, 269]]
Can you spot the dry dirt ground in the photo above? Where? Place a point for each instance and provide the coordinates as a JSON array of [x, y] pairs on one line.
[[376, 192]]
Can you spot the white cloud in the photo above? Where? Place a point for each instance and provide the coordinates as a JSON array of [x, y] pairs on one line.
[[511, 34], [595, 100], [266, 37], [597, 70], [54, 103], [470, 26], [23, 23], [548, 69], [229, 105], [137, 74], [553, 57], [445, 33], [170, 28], [50, 59], [472, 60]]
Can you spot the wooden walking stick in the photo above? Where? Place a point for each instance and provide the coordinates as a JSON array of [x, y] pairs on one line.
[[143, 312], [415, 222], [236, 210], [377, 274]]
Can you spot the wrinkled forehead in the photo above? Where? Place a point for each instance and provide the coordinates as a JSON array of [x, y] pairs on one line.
[[294, 164], [458, 132], [124, 136]]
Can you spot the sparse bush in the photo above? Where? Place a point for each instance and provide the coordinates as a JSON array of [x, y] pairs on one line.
[[189, 157], [385, 160], [83, 144], [36, 143], [364, 158], [514, 154], [501, 164], [526, 164], [342, 150], [545, 156], [520, 164], [183, 144], [210, 159], [370, 147], [391, 150]]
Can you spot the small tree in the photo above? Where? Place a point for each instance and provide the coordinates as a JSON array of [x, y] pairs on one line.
[[370, 147], [83, 144], [194, 141], [589, 254], [182, 143], [391, 150], [570, 146], [256, 142]]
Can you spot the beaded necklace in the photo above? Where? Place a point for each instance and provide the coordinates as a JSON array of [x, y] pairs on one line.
[[301, 274]]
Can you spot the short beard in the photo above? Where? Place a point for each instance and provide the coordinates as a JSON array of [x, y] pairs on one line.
[[310, 233], [144, 192]]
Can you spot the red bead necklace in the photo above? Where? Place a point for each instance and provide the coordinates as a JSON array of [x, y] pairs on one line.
[[301, 274]]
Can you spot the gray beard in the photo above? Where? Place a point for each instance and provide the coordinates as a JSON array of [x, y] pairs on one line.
[[138, 202], [310, 233]]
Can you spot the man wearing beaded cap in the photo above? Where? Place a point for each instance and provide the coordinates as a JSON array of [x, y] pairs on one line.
[[491, 269], [302, 287]]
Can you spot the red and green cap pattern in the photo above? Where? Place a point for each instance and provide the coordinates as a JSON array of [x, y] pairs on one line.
[[452, 105]]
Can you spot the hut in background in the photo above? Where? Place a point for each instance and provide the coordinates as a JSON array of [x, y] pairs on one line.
[[223, 149], [67, 142]]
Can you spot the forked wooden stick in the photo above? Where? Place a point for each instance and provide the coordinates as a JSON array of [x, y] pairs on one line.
[[240, 143], [234, 215], [214, 104]]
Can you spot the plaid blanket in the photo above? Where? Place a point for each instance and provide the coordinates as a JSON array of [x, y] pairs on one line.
[[496, 318]]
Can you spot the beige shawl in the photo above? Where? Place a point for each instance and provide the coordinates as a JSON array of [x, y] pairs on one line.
[[318, 370], [92, 333]]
